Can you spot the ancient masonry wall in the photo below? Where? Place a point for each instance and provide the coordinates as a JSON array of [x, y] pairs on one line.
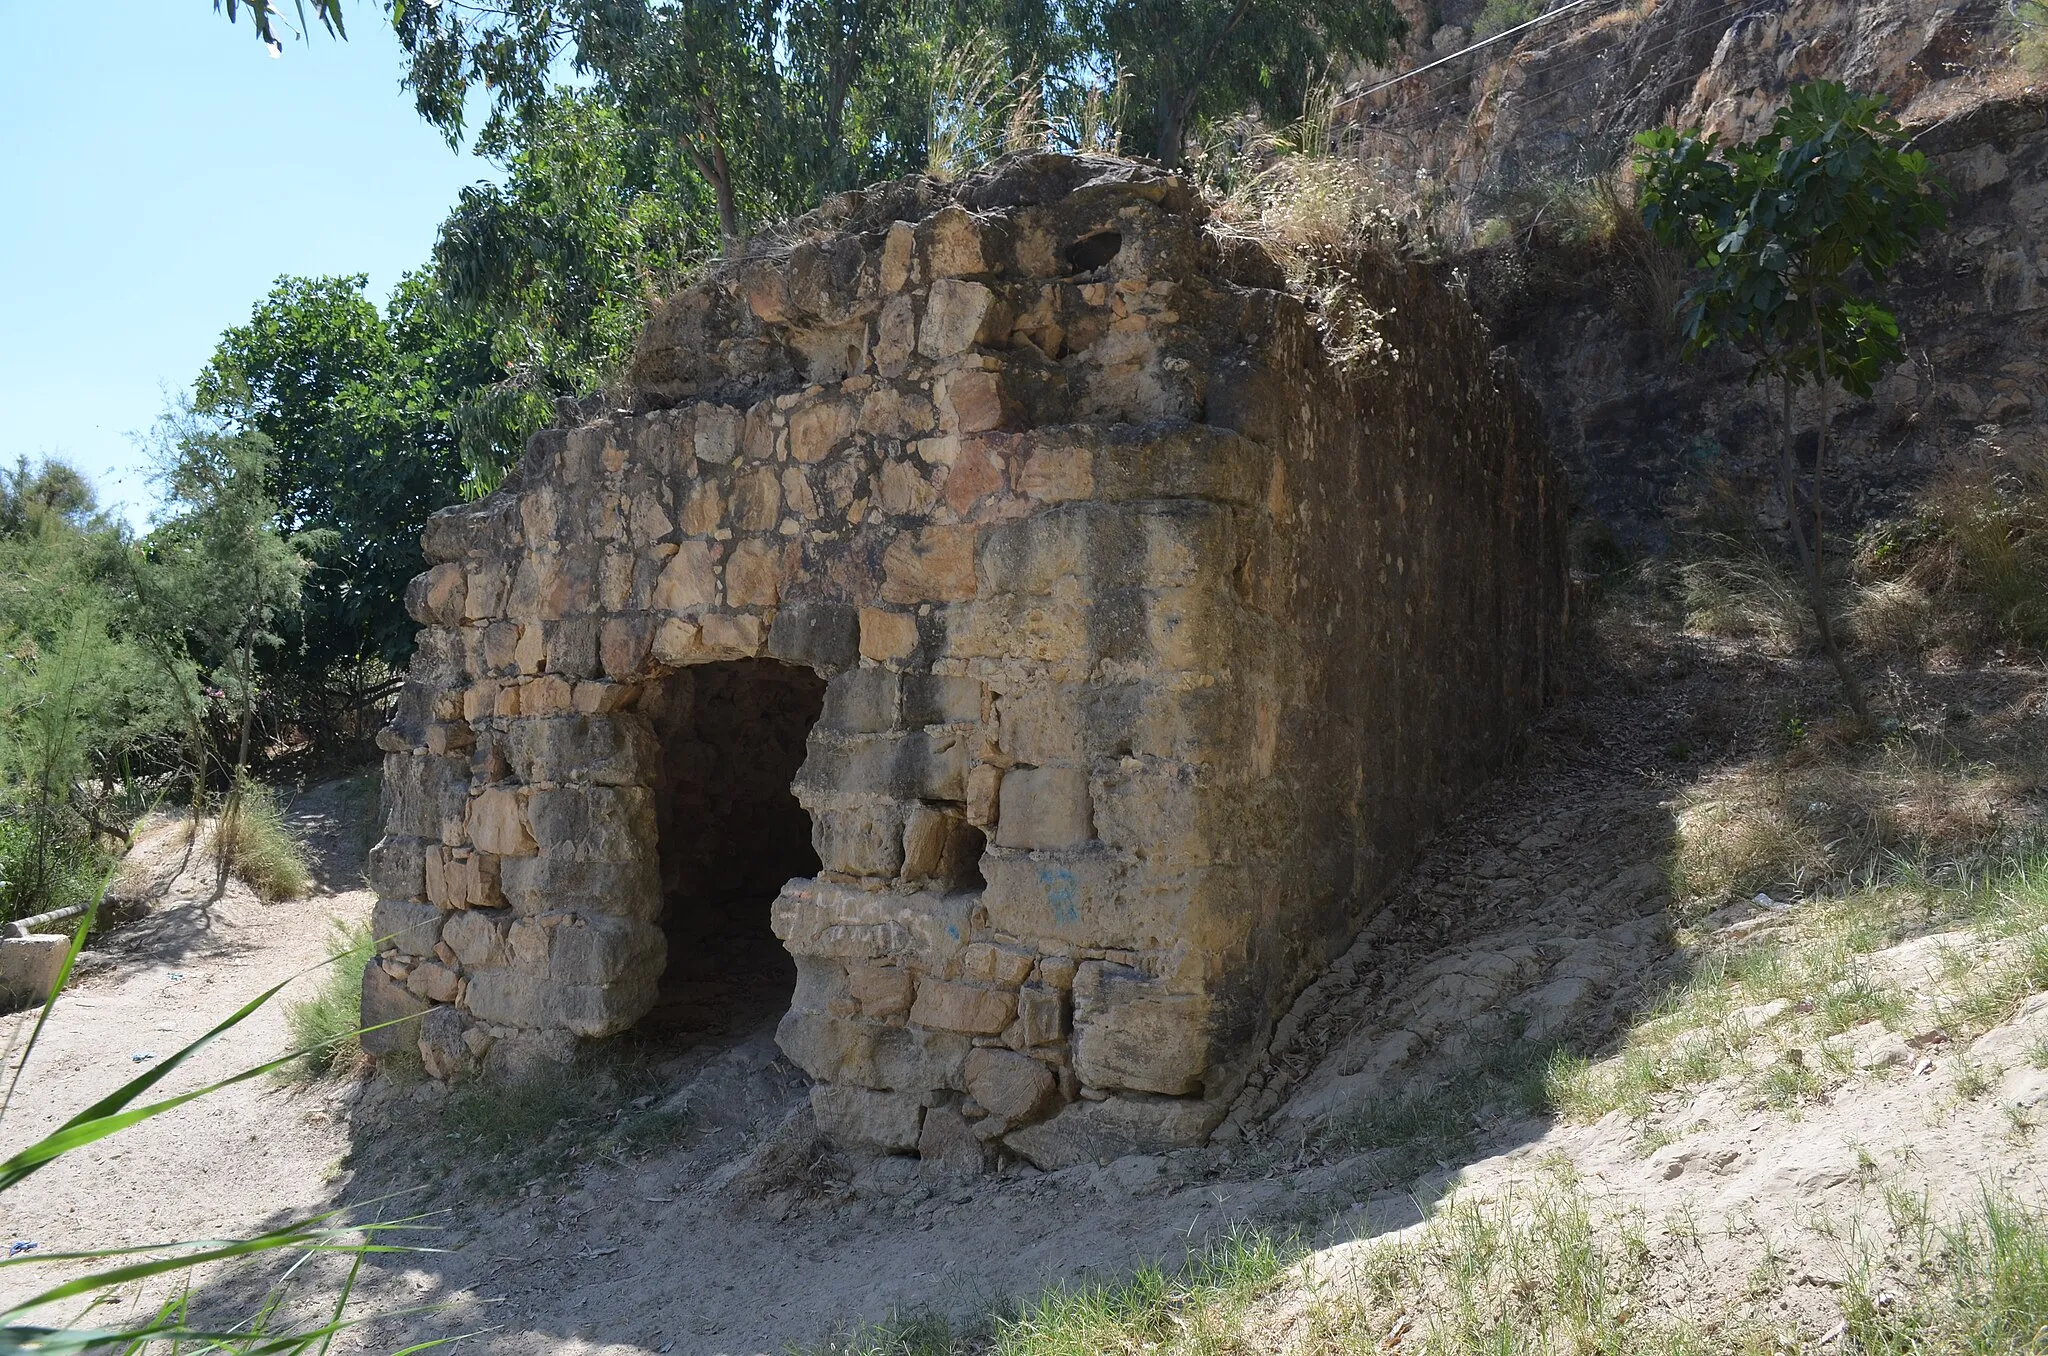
[[1154, 644]]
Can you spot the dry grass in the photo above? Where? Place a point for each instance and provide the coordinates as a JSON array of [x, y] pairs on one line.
[[1764, 1005], [252, 841], [1737, 592], [1818, 815], [1976, 550]]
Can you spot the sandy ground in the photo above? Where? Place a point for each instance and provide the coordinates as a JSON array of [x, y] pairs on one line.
[[1541, 908]]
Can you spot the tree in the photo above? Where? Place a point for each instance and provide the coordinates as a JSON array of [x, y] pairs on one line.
[[1793, 230], [558, 264], [83, 707], [263, 15], [1188, 60], [354, 408]]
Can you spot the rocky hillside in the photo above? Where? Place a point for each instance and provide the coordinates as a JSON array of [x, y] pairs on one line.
[[1514, 159]]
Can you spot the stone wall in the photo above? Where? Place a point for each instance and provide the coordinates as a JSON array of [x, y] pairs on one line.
[[1153, 644]]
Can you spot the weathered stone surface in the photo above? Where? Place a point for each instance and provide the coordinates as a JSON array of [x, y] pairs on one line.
[[1129, 1032], [387, 1003], [889, 1121], [1044, 807], [408, 927], [497, 823], [1153, 641], [443, 1051], [947, 1141], [28, 968], [962, 1007], [1013, 1086], [1087, 1132]]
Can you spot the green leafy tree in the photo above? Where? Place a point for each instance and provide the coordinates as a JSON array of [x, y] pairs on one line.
[[82, 706], [216, 580], [263, 15], [355, 409], [1191, 60], [559, 263], [1793, 232]]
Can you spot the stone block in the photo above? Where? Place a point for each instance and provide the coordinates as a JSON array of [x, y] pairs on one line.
[[1044, 807], [593, 823], [623, 644], [397, 868], [757, 500], [729, 637], [947, 1142], [887, 635], [423, 795], [971, 402], [955, 314], [1088, 1132], [992, 964], [689, 581], [872, 1054], [1013, 1086], [947, 1005], [443, 1051], [716, 439], [599, 950], [882, 991], [956, 244], [498, 823], [618, 750], [1131, 1033], [939, 699], [823, 636], [755, 574], [1041, 1018], [903, 765], [409, 927], [888, 1121], [860, 701], [28, 968], [817, 427], [477, 937], [387, 1006], [822, 918], [435, 598], [859, 840], [930, 565], [515, 997], [433, 981], [537, 885]]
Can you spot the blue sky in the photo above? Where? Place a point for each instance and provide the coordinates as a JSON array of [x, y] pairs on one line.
[[157, 170]]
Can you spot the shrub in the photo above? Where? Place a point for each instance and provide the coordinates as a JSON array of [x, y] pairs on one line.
[[1501, 15], [252, 841], [324, 1025]]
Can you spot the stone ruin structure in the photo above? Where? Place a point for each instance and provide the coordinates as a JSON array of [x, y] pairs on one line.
[[997, 589]]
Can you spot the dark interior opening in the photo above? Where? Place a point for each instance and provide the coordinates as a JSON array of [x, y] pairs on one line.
[[731, 833], [1094, 250]]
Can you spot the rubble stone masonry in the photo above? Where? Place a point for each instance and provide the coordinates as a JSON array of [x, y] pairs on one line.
[[1152, 642]]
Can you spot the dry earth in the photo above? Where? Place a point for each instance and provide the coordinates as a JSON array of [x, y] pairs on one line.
[[1540, 917]]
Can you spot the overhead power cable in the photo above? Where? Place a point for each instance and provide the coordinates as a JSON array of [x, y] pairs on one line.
[[1467, 50]]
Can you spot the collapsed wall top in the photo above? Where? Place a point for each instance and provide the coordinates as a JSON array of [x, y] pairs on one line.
[[1155, 642]]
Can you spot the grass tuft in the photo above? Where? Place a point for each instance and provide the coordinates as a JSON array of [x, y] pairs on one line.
[[325, 1024], [253, 842]]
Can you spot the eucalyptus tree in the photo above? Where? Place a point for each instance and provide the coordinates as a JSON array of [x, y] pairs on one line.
[[1191, 60], [1794, 231]]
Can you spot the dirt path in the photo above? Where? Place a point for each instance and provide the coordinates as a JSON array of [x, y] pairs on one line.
[[256, 1153]]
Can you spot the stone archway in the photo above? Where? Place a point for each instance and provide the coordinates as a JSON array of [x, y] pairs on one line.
[[730, 833]]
